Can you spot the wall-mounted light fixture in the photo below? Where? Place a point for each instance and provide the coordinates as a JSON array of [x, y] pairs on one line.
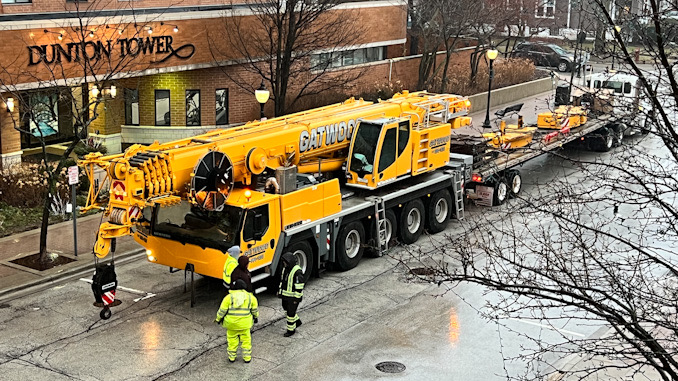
[[175, 29], [110, 91], [60, 35], [10, 104]]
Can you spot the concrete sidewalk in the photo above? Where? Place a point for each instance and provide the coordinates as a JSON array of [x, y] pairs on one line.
[[15, 278]]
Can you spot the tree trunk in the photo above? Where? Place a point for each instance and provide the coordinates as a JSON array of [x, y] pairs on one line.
[[43, 227]]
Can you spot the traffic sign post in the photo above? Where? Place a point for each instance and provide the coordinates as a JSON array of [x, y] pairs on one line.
[[73, 180]]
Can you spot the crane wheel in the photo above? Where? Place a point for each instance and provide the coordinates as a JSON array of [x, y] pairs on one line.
[[439, 211], [350, 245], [391, 231], [304, 254], [411, 222]]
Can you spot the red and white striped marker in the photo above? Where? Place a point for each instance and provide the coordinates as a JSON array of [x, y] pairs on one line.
[[108, 297], [134, 212]]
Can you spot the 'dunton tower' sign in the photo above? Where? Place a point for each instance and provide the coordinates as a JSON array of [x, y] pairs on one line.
[[96, 50]]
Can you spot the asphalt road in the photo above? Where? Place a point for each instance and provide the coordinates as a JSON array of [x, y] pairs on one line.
[[352, 321]]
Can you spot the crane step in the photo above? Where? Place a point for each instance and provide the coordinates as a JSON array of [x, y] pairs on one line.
[[260, 290], [260, 276]]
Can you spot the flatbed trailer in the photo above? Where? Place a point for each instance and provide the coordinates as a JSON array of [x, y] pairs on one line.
[[490, 175]]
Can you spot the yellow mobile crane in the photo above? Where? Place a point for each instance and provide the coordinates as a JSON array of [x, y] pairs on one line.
[[254, 186]]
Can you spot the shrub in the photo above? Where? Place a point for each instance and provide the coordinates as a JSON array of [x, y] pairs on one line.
[[24, 185], [89, 145], [383, 90], [507, 72]]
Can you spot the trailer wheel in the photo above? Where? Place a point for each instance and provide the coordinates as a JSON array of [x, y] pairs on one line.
[[411, 222], [350, 245], [391, 230], [604, 142], [618, 134], [647, 125], [304, 254], [515, 180], [438, 211], [501, 192]]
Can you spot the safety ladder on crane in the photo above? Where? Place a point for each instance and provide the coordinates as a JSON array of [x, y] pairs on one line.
[[423, 155], [380, 220], [458, 195]]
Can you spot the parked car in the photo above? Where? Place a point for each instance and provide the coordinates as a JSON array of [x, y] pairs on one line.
[[545, 55]]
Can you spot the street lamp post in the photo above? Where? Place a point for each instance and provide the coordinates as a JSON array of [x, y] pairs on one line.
[[262, 95], [491, 55]]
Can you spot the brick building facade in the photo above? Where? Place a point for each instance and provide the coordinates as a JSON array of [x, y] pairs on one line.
[[170, 84]]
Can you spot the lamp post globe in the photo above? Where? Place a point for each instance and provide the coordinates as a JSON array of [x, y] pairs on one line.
[[262, 94], [491, 54]]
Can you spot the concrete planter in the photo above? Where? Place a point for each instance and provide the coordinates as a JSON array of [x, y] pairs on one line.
[[510, 94]]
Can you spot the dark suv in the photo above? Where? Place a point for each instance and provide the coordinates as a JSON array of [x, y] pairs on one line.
[[545, 55]]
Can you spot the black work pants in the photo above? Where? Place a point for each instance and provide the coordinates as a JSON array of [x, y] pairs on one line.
[[290, 306]]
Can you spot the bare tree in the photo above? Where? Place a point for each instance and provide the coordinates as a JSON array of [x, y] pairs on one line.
[[438, 25], [64, 65], [293, 45], [595, 244]]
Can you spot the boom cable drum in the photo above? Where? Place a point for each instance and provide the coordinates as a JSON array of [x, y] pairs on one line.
[[212, 181]]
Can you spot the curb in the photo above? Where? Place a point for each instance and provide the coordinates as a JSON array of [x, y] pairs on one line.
[[53, 279]]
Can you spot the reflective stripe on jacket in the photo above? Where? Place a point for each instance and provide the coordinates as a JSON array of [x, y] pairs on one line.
[[293, 286], [238, 310], [230, 265]]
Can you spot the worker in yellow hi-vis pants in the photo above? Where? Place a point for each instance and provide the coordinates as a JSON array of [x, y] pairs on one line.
[[238, 312]]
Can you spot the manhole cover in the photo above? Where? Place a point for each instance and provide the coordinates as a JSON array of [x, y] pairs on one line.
[[422, 271], [390, 367]]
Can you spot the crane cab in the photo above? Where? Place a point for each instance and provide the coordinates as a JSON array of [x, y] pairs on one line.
[[385, 150]]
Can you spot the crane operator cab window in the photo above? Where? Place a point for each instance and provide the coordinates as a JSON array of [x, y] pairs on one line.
[[191, 224], [386, 143], [364, 148]]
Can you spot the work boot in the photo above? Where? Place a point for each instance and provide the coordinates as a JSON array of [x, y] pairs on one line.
[[289, 333], [247, 361], [231, 359], [299, 322]]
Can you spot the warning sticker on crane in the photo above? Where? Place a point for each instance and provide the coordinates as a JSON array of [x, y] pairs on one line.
[[118, 190], [134, 212]]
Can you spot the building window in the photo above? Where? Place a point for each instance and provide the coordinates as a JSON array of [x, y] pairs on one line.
[[545, 8], [44, 118], [17, 1], [192, 107], [222, 107], [132, 107], [162, 108], [47, 115], [347, 58]]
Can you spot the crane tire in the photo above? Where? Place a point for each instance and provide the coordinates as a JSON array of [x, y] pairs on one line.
[[411, 221], [350, 245], [439, 211], [303, 251], [391, 231]]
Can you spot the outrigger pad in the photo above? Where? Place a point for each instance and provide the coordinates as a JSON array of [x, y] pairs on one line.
[[103, 281]]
